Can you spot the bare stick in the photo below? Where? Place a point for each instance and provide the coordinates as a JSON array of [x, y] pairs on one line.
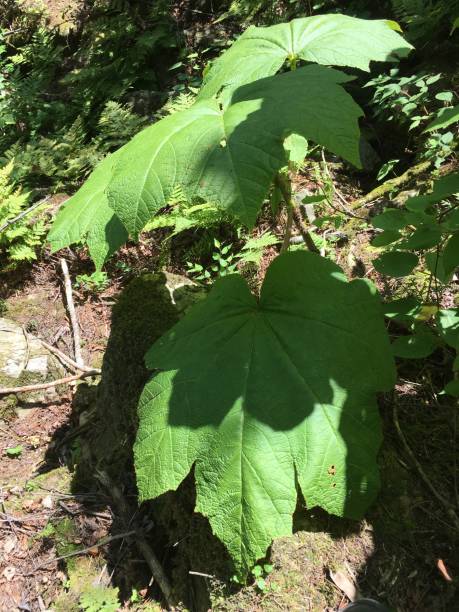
[[293, 216], [448, 507], [68, 360], [47, 385], [201, 574], [72, 313], [23, 213], [146, 550], [303, 231], [83, 551], [156, 569]]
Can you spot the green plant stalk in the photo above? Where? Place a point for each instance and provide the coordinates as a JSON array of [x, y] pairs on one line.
[[284, 185]]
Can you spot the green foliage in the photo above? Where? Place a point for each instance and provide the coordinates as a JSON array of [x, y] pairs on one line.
[[259, 573], [232, 173], [181, 215], [271, 416], [335, 40], [429, 225], [418, 101], [100, 599], [284, 403], [20, 239], [65, 102], [445, 117], [87, 216], [94, 283], [426, 19], [14, 451], [224, 263]]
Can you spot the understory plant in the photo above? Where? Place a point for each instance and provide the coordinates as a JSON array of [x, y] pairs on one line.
[[260, 394], [419, 101], [424, 231], [21, 232]]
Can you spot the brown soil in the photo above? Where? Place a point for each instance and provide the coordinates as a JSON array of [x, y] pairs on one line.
[[404, 552]]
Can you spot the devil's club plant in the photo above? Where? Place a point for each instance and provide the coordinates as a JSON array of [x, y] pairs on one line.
[[260, 395]]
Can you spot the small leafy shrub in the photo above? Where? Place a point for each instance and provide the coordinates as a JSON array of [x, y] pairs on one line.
[[426, 228], [100, 599], [416, 101], [224, 263], [67, 101], [256, 393], [19, 238], [94, 283], [426, 19]]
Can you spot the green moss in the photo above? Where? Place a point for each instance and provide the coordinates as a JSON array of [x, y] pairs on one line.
[[7, 406]]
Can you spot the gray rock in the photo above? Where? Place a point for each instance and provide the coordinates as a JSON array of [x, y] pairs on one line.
[[25, 361]]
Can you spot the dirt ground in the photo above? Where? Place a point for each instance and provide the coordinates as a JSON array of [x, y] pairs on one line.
[[53, 554]]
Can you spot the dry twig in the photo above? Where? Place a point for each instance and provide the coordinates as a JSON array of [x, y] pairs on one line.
[[446, 504], [68, 360], [47, 385], [146, 550], [72, 313]]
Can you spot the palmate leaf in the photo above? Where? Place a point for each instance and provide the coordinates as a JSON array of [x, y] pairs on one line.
[[231, 156], [187, 149], [261, 394], [335, 40], [87, 217]]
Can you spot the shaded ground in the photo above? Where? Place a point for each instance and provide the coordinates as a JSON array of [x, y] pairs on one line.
[[404, 552]]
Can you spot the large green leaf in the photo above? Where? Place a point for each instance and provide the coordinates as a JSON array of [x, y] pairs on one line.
[[231, 156], [262, 393], [87, 217], [335, 40]]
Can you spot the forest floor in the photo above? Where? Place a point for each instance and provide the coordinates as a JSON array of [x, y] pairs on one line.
[[402, 553]]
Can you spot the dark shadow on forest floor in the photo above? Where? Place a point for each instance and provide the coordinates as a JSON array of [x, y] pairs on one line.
[[394, 552]]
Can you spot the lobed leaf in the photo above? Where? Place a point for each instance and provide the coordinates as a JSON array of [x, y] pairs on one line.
[[261, 394], [87, 217], [230, 156], [335, 40]]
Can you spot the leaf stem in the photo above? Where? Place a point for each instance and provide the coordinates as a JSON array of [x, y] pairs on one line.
[[284, 185]]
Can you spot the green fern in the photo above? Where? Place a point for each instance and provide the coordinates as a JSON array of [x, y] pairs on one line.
[[426, 19], [179, 103], [182, 215], [19, 240]]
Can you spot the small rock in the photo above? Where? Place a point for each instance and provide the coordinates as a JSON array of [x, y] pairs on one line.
[[9, 572], [9, 544], [47, 502], [24, 361]]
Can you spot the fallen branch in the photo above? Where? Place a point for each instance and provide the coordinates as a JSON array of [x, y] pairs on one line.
[[293, 217], [446, 504], [309, 242], [72, 313], [68, 360], [48, 384], [23, 213], [391, 184], [84, 551], [143, 546]]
